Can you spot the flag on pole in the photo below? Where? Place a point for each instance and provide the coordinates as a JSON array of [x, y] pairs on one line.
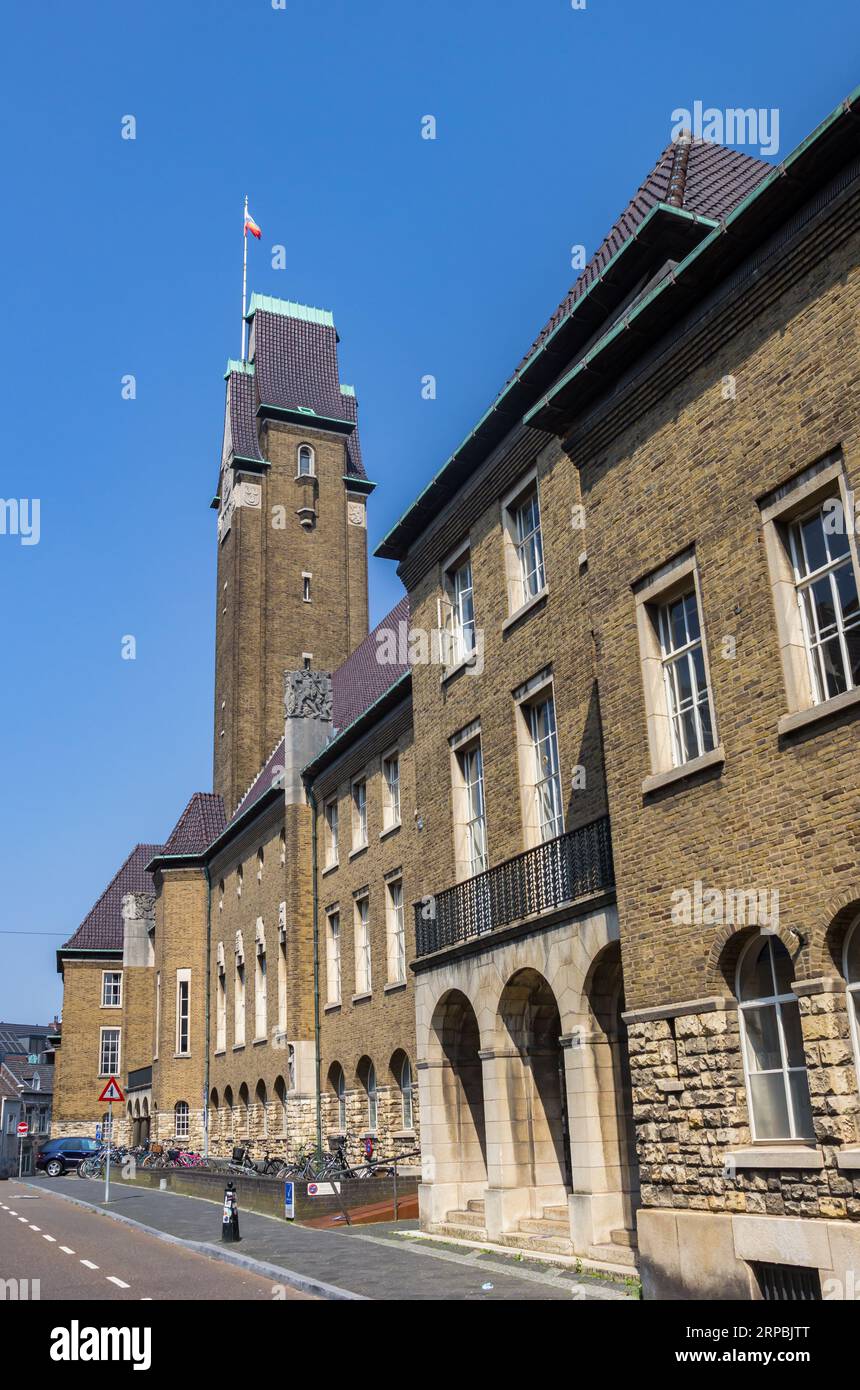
[[251, 226]]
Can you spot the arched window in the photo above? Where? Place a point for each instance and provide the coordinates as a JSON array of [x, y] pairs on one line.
[[406, 1093], [774, 1059], [306, 461], [851, 970], [338, 1085], [260, 859], [180, 1119], [372, 1098]]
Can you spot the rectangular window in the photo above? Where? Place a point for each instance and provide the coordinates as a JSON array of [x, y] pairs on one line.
[[471, 767], [544, 778], [282, 985], [111, 989], [688, 701], [260, 989], [331, 826], [306, 587], [239, 1006], [391, 790], [826, 588], [333, 957], [529, 544], [363, 978], [109, 1052], [459, 610], [221, 1010], [183, 1012], [359, 813], [157, 1014], [396, 933]]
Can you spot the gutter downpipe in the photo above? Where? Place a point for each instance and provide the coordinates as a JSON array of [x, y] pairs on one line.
[[312, 802], [207, 1012]]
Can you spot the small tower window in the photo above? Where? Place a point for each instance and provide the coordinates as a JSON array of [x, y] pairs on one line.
[[307, 658], [306, 587], [306, 461]]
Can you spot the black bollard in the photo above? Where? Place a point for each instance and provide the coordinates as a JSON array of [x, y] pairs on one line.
[[230, 1217]]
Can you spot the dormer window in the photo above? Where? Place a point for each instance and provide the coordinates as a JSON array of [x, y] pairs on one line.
[[307, 466]]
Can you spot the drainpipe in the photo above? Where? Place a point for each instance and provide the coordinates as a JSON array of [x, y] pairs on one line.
[[206, 1015], [312, 802]]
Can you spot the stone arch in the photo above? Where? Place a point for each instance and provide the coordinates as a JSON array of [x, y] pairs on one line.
[[367, 1078], [458, 1130], [229, 1113], [336, 1100], [244, 1107], [828, 936], [725, 952], [532, 1121], [403, 1101], [280, 1093], [261, 1110]]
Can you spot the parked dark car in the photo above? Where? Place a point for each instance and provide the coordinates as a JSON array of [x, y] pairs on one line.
[[59, 1155]]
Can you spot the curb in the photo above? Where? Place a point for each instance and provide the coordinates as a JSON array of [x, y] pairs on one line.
[[303, 1282]]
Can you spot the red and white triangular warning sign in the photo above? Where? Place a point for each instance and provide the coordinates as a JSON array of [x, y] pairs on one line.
[[112, 1091]]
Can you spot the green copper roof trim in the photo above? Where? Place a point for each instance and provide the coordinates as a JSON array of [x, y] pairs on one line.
[[306, 312], [243, 368], [778, 172], [347, 390], [596, 283], [288, 411], [340, 737]]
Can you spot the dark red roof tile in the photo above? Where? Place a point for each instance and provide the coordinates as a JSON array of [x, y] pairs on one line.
[[200, 823], [366, 675], [101, 929]]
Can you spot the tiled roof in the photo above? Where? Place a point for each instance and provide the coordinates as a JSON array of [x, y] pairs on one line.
[[270, 774], [242, 423], [23, 1071], [101, 929], [714, 180], [363, 678], [200, 823]]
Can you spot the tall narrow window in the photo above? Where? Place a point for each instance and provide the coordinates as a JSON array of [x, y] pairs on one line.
[[372, 1098], [363, 979], [406, 1094], [183, 1012], [688, 701], [333, 957], [109, 1052], [221, 1009], [111, 989], [471, 765], [339, 1086], [396, 933], [527, 576], [306, 461], [239, 1005], [459, 621], [774, 1058], [260, 994], [157, 1014], [331, 827], [260, 861], [306, 587], [549, 814], [829, 607], [852, 980], [391, 790], [359, 813], [282, 984], [180, 1119]]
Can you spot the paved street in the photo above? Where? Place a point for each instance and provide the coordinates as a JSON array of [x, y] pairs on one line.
[[77, 1253]]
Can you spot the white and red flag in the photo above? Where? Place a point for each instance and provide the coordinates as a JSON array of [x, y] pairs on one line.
[[251, 226]]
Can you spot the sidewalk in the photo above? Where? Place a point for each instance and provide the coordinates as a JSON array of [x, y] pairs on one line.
[[376, 1262]]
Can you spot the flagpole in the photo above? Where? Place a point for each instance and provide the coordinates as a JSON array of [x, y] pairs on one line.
[[244, 273]]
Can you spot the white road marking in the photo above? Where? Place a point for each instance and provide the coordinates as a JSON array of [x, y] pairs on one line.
[[50, 1238], [11, 1212], [112, 1279], [34, 1228], [66, 1251], [23, 1218], [89, 1264]]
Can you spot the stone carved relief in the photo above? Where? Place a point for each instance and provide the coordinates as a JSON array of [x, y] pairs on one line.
[[357, 514], [252, 495], [307, 695]]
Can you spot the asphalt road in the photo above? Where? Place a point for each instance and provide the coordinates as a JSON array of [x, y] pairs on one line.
[[80, 1254]]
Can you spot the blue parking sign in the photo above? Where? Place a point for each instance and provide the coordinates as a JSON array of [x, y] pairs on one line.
[[289, 1201]]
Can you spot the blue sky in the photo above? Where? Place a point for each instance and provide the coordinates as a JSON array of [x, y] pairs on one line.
[[123, 257]]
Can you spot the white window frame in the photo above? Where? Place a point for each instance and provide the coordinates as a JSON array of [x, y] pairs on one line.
[[407, 1094], [371, 1086], [541, 791], [331, 816], [334, 982], [116, 977], [804, 581], [307, 578], [157, 1014], [240, 986], [852, 991], [181, 1119], [457, 608], [363, 952], [396, 929], [779, 1002], [261, 990], [183, 1015], [673, 659], [340, 1094], [525, 561], [220, 1007], [358, 795], [111, 1071], [390, 790], [311, 470]]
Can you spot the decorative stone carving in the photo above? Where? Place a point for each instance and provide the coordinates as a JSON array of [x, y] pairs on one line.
[[252, 495], [240, 949], [357, 514], [307, 695]]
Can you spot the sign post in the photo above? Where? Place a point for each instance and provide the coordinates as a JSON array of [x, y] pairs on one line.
[[23, 1130], [109, 1096]]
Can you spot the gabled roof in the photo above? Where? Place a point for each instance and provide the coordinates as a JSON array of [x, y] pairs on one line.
[[23, 1072], [695, 180], [101, 929], [200, 823], [269, 776], [360, 681]]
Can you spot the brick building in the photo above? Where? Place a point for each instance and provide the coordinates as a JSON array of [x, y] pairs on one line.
[[566, 847]]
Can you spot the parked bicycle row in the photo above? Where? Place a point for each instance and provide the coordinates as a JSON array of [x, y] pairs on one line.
[[309, 1164]]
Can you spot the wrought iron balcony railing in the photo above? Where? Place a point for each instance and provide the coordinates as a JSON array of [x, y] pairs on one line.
[[574, 865]]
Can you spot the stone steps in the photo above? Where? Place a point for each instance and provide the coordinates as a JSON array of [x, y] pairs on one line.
[[469, 1217], [613, 1254], [537, 1244], [556, 1214], [475, 1205], [457, 1232], [623, 1236], [545, 1226]]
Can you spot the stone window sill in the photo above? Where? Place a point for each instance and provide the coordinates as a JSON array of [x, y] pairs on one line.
[[848, 1159], [658, 780], [393, 986], [220, 1052], [330, 868], [238, 1047], [258, 1042], [332, 1008], [451, 671], [359, 849], [389, 830], [777, 1156], [360, 998], [524, 609], [802, 717], [403, 1134]]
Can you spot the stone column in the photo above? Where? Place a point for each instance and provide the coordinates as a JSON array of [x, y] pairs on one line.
[[596, 1206]]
